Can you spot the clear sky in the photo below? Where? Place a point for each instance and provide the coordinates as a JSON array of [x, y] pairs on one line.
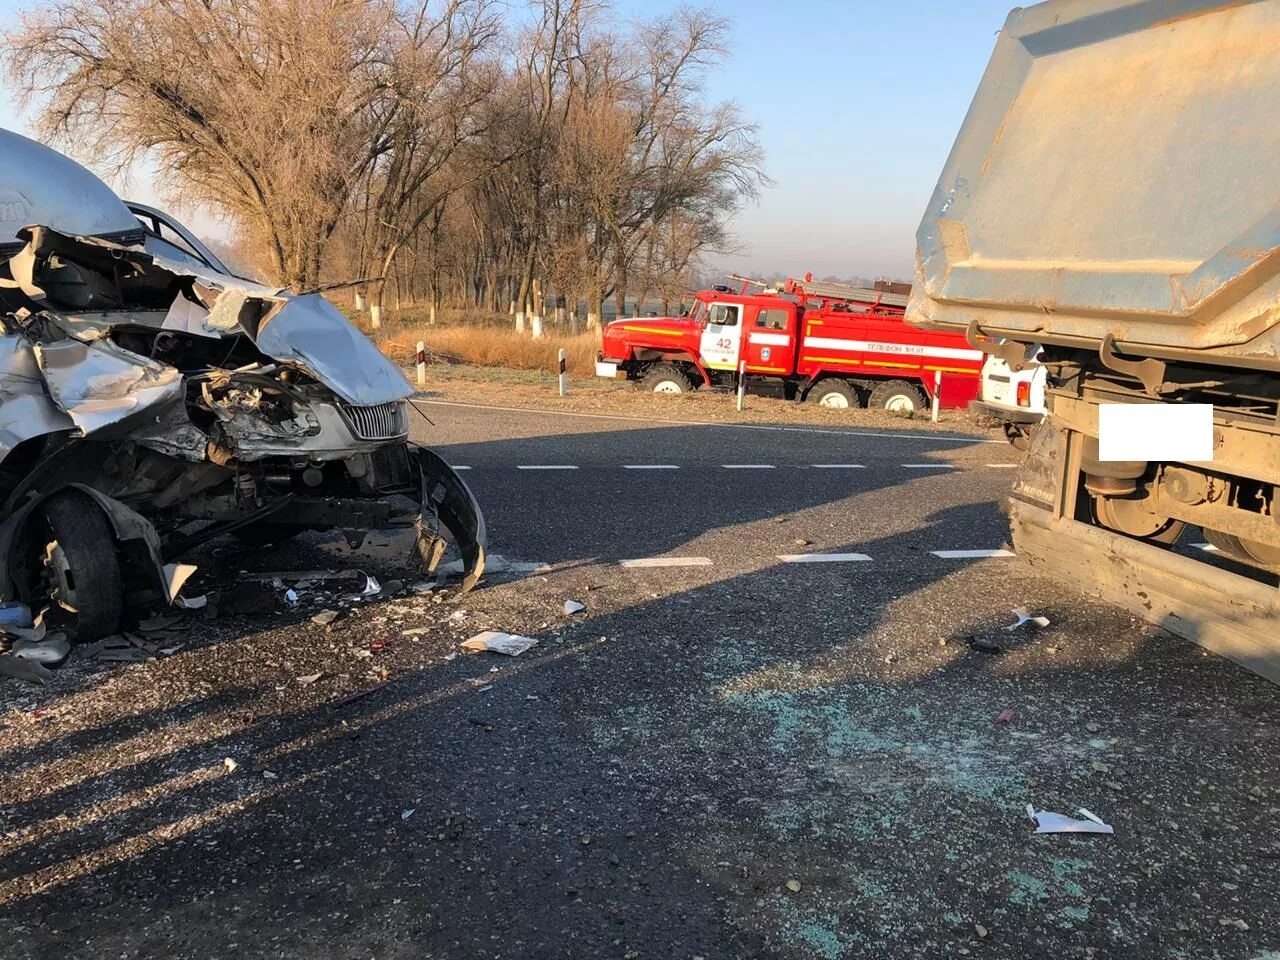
[[857, 104]]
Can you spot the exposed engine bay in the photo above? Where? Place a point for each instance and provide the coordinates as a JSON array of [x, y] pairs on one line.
[[181, 403]]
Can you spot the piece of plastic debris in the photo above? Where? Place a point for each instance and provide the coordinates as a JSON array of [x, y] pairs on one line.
[[1006, 716], [309, 679], [270, 775], [371, 586], [192, 603], [1049, 822], [27, 670], [415, 631], [34, 633], [15, 614], [325, 617], [291, 597], [424, 586], [230, 764], [573, 606], [1026, 616], [50, 651], [984, 645], [406, 814], [176, 575], [494, 641], [458, 615], [161, 623], [793, 886]]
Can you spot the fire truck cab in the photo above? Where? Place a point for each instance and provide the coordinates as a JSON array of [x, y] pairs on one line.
[[832, 344]]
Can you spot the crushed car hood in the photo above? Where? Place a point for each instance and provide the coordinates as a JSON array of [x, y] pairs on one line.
[[87, 286]]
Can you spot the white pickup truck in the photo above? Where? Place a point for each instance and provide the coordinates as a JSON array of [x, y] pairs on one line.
[[1015, 397]]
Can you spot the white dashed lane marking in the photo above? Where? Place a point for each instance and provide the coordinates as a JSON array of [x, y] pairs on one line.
[[546, 466], [458, 466], [840, 466], [649, 466], [822, 557], [747, 466], [970, 554], [668, 562], [928, 466], [1003, 466]]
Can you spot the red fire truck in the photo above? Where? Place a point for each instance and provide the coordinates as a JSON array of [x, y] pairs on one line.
[[828, 343]]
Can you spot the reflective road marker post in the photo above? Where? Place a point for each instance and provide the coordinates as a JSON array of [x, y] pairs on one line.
[[937, 393], [742, 382], [422, 364], [564, 380]]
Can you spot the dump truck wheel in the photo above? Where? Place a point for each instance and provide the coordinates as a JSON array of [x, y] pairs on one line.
[[898, 396], [667, 378], [1252, 552], [1135, 519], [266, 534], [834, 392], [82, 568]]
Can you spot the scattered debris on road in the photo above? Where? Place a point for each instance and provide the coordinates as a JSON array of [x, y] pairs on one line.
[[325, 617], [492, 641], [1026, 616], [1049, 822], [573, 606], [1006, 716]]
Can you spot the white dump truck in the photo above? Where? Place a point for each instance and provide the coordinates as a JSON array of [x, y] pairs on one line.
[[1112, 196]]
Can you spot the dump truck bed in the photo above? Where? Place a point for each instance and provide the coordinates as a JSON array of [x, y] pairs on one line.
[[1118, 171]]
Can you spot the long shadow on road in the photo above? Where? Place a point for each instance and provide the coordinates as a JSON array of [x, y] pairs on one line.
[[786, 763]]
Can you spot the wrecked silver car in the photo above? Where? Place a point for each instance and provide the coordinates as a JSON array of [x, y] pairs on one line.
[[151, 401]]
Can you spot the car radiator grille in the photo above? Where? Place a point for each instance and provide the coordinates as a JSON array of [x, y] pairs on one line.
[[386, 421]]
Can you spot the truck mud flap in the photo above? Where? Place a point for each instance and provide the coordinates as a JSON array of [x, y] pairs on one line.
[[447, 501], [1231, 615]]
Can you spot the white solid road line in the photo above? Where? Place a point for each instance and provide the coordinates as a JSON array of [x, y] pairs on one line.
[[822, 557], [970, 554], [458, 466], [747, 466], [668, 562], [929, 466], [649, 466], [941, 437], [840, 466], [545, 466]]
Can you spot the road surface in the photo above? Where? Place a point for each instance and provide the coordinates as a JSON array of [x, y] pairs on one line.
[[771, 733]]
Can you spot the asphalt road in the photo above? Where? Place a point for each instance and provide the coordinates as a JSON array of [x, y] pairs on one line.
[[783, 742]]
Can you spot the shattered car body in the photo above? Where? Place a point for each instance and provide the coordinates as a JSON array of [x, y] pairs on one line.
[[144, 384]]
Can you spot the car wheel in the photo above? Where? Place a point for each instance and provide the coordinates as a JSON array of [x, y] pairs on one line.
[[81, 572], [667, 378], [835, 393], [898, 396]]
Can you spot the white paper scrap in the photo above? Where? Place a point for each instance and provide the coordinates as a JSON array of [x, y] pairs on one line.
[[1026, 616], [1048, 822], [509, 644]]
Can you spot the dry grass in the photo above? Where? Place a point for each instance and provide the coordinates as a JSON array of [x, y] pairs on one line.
[[491, 346]]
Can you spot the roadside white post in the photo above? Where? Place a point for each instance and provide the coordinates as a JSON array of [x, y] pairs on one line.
[[742, 383], [375, 315], [937, 393], [564, 379], [422, 364]]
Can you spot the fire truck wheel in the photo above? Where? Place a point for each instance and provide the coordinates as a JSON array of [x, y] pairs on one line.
[[898, 396], [833, 393], [667, 378]]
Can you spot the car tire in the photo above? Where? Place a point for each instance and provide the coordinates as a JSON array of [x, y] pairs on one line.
[[83, 563], [834, 392], [898, 396], [666, 378]]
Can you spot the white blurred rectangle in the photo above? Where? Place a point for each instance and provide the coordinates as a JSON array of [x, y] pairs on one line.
[[1155, 431], [604, 369]]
